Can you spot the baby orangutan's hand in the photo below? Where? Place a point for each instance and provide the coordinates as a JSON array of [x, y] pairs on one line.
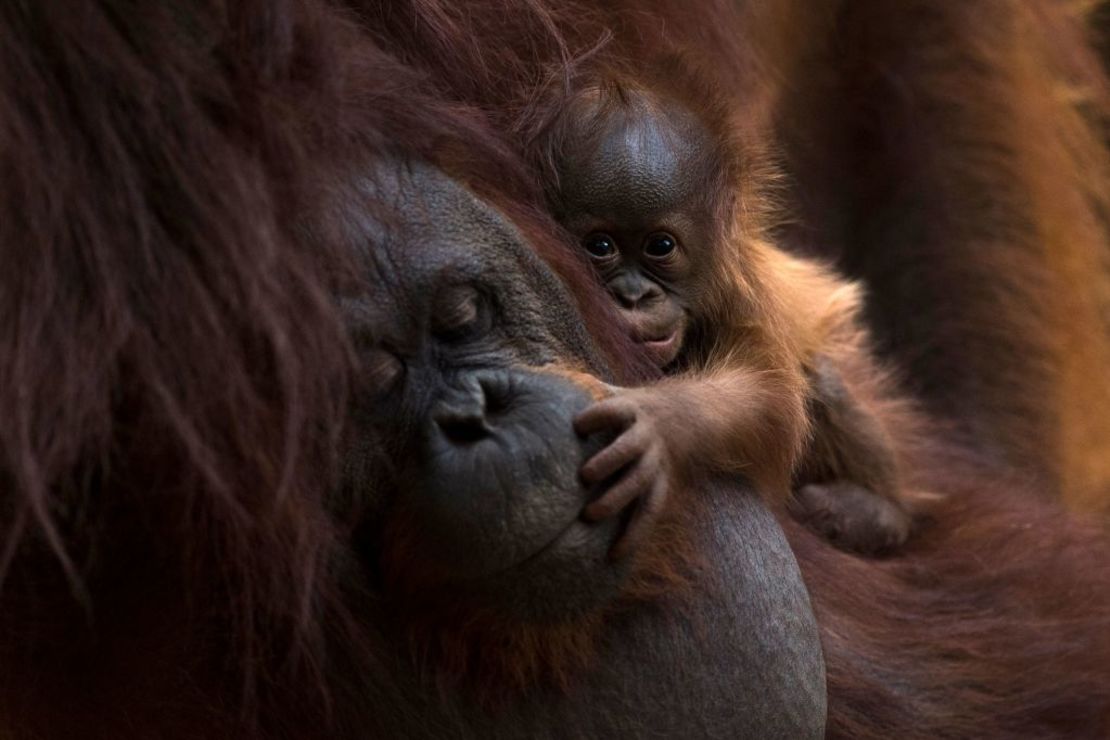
[[638, 463]]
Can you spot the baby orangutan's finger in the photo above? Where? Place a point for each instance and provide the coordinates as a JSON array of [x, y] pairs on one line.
[[622, 451], [634, 483], [648, 510], [611, 413]]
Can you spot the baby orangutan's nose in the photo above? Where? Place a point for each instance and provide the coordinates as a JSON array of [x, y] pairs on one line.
[[634, 291]]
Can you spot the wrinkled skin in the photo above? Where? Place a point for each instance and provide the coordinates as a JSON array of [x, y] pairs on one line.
[[493, 496]]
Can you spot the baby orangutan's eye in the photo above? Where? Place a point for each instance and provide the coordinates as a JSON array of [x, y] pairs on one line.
[[599, 246], [660, 245]]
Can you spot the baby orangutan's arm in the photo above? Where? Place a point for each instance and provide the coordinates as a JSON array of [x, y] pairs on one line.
[[750, 421]]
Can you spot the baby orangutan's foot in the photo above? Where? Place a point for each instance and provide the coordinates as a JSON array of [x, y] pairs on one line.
[[852, 517]]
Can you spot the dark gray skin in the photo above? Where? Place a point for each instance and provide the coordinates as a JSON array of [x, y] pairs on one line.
[[492, 482]]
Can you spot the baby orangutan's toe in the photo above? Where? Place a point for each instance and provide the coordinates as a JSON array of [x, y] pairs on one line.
[[851, 517]]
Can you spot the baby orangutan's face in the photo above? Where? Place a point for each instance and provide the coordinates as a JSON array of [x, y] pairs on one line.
[[631, 201]]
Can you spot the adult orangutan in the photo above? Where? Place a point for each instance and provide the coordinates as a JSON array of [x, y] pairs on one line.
[[237, 317], [208, 211]]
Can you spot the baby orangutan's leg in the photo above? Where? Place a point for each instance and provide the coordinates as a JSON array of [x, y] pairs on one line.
[[848, 486]]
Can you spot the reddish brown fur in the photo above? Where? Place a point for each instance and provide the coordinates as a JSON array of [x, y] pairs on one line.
[[162, 471], [995, 622]]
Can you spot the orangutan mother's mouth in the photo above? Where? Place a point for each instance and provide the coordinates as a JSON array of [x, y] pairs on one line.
[[575, 530]]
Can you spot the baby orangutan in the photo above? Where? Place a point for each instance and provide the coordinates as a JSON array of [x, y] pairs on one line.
[[768, 370]]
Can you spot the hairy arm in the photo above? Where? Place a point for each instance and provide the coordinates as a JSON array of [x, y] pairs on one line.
[[751, 421]]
